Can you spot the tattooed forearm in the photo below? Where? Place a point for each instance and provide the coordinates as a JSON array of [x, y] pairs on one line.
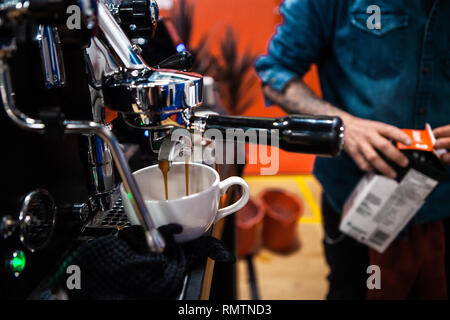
[[298, 98]]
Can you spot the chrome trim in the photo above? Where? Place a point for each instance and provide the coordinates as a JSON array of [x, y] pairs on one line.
[[25, 220], [100, 171], [117, 41], [153, 237], [342, 138], [17, 6], [159, 101], [153, 99], [51, 56], [176, 147]]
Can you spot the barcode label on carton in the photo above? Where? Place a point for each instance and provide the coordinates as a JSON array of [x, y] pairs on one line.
[[379, 237], [417, 186], [370, 205], [380, 210]]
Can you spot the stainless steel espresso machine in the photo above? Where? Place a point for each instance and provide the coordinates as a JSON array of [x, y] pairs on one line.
[[64, 66]]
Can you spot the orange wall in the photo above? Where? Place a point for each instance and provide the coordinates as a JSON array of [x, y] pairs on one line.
[[254, 21]]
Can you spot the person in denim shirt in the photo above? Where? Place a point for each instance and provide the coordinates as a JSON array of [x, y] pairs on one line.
[[378, 74]]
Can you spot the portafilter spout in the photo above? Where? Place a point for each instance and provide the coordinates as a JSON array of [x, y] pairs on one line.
[[177, 146]]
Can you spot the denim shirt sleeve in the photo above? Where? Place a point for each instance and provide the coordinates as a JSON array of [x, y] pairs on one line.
[[299, 42]]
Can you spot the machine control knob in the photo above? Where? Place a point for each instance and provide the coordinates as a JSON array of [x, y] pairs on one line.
[[7, 227], [179, 61], [73, 216], [37, 219], [139, 17]]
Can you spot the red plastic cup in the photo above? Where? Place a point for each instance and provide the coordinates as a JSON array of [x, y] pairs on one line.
[[283, 209], [249, 222]]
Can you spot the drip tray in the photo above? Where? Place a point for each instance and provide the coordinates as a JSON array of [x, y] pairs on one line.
[[115, 218]]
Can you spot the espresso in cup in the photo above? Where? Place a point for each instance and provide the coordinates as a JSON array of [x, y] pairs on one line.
[[195, 212]]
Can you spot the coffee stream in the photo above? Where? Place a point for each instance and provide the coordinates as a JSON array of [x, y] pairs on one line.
[[164, 167], [186, 173]]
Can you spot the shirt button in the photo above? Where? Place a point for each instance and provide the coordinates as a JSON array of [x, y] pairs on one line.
[[422, 111], [426, 70]]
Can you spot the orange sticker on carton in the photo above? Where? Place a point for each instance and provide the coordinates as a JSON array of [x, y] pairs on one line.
[[421, 140]]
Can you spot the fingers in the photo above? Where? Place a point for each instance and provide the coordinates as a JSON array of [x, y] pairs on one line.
[[442, 131], [376, 161], [395, 133], [446, 158], [369, 137], [359, 159], [389, 150], [442, 143]]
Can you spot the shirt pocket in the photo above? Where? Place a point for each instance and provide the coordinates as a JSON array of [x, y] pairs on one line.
[[378, 53]]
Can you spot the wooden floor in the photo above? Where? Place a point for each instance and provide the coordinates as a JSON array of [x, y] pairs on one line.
[[302, 273]]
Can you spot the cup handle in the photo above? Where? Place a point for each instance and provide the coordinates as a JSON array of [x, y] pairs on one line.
[[238, 205]]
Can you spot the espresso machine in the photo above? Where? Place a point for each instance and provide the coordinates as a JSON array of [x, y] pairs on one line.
[[60, 83]]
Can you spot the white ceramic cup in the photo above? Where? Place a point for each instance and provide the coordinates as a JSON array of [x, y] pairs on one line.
[[198, 211]]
